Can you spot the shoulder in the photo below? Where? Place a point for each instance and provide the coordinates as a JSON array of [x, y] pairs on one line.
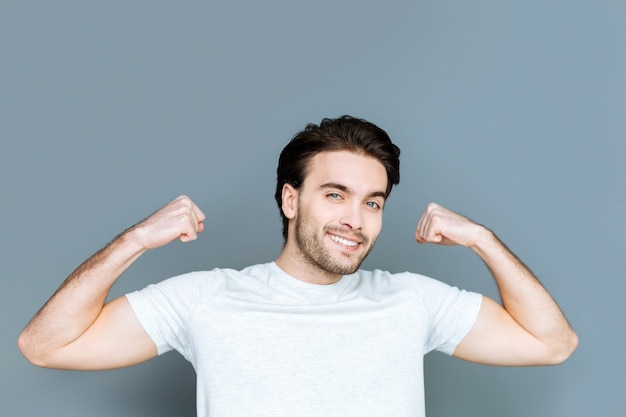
[[426, 290], [195, 283], [408, 279], [257, 271], [216, 276], [195, 279]]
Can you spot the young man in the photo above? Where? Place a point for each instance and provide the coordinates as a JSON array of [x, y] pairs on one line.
[[309, 334]]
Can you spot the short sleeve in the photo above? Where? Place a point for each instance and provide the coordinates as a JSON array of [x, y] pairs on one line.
[[451, 313], [165, 310]]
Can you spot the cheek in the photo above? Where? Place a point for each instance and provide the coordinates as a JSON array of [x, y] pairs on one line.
[[316, 215], [375, 225], [326, 213]]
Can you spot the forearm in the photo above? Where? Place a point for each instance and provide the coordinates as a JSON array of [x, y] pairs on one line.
[[523, 296], [78, 302]]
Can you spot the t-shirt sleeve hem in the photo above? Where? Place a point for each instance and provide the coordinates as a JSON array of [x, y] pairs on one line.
[[137, 306], [473, 307]]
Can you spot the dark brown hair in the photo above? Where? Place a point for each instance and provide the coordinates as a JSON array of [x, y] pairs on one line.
[[345, 133]]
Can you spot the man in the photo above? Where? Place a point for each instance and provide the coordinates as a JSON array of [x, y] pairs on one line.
[[309, 334]]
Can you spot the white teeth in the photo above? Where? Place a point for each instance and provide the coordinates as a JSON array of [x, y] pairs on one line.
[[343, 241]]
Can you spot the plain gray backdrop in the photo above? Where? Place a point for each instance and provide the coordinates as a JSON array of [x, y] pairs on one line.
[[512, 113]]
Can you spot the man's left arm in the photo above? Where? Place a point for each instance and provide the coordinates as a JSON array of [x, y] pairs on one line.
[[529, 328]]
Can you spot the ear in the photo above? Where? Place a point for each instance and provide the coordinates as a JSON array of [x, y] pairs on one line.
[[290, 201]]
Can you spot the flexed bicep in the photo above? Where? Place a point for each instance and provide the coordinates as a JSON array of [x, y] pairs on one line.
[[116, 339], [497, 339]]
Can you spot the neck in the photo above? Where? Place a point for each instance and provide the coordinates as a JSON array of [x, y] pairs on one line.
[[300, 267]]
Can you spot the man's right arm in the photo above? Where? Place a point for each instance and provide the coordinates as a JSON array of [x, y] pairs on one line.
[[75, 329]]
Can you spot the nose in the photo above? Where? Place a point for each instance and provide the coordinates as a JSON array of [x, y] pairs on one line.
[[352, 217]]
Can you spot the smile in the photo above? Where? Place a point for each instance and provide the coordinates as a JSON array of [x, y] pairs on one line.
[[343, 241]]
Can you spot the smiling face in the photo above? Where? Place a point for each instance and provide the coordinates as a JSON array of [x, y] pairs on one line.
[[335, 216]]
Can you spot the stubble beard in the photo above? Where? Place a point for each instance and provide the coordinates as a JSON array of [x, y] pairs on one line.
[[315, 254]]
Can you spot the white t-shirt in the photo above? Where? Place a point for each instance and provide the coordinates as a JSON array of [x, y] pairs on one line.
[[266, 344]]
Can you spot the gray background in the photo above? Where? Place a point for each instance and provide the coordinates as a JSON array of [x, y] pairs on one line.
[[512, 113]]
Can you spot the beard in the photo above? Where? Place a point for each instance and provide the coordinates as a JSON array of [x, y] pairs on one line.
[[314, 253]]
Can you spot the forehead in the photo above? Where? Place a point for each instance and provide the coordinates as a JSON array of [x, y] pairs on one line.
[[354, 170]]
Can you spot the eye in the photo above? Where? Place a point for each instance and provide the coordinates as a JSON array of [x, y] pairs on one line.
[[373, 205], [333, 196]]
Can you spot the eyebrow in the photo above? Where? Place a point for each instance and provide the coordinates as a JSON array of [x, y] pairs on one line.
[[346, 189]]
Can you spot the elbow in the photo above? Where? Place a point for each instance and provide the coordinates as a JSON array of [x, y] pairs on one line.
[[25, 347], [565, 349], [29, 350]]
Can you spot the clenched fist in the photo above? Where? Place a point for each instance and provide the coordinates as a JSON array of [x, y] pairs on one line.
[[179, 219], [445, 227]]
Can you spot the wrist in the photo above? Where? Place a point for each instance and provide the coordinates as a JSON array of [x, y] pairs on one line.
[[484, 240], [132, 240]]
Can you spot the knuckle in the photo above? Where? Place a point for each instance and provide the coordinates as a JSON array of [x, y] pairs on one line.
[[183, 199], [431, 207]]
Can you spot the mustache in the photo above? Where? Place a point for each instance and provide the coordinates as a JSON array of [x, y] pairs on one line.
[[347, 232]]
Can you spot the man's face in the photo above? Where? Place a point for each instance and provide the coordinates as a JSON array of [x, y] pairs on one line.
[[339, 212]]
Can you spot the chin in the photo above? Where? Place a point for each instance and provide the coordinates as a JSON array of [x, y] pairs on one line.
[[341, 268]]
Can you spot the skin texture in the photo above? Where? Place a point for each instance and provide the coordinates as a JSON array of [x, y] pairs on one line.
[[335, 218], [342, 197], [75, 329], [529, 329]]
